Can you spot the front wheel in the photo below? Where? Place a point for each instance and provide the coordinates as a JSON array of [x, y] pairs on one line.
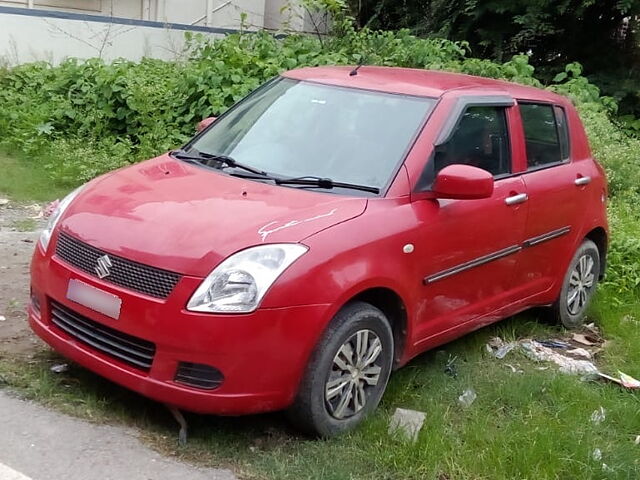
[[347, 373], [578, 286]]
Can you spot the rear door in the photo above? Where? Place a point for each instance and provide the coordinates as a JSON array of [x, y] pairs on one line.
[[471, 246], [555, 185]]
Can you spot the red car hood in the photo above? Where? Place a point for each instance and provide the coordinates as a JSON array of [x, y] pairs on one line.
[[183, 218]]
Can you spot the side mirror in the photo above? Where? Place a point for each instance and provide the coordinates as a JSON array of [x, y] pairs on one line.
[[202, 124], [462, 182]]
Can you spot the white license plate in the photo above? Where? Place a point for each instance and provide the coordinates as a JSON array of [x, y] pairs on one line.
[[94, 298]]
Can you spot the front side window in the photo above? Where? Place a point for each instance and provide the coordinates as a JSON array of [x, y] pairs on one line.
[[300, 129], [481, 139], [542, 134]]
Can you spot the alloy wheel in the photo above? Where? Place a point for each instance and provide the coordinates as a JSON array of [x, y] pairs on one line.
[[355, 372], [581, 284]]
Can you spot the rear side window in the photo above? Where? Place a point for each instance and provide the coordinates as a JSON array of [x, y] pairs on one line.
[[546, 136], [481, 139]]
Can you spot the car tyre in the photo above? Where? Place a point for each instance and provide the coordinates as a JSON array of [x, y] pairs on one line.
[[347, 373], [578, 286]]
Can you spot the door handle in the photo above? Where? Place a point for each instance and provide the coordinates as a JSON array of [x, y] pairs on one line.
[[582, 181], [516, 199]]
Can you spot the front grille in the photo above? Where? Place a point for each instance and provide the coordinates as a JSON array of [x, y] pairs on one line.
[[198, 375], [125, 273], [121, 346]]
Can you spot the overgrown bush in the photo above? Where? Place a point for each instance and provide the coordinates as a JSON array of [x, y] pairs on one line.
[[84, 118]]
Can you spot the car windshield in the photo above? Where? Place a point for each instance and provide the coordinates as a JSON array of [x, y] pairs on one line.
[[299, 129]]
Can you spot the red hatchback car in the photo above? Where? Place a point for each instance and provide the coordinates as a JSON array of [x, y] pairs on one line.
[[325, 230]]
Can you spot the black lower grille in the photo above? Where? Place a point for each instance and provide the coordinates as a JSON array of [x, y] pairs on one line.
[[123, 272], [126, 348], [198, 375]]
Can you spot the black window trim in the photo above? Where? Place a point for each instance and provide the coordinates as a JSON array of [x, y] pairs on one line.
[[553, 106], [463, 103], [566, 127]]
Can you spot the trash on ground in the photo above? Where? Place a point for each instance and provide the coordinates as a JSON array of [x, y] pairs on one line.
[[182, 422], [593, 329], [502, 351], [580, 352], [60, 368], [501, 348], [571, 366], [574, 359], [4, 201], [513, 369], [467, 398], [637, 440], [407, 423], [583, 339], [450, 368], [2, 318], [625, 380], [628, 381], [598, 416], [554, 343], [597, 454]]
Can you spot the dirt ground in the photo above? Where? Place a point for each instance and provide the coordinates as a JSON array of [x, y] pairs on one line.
[[19, 227]]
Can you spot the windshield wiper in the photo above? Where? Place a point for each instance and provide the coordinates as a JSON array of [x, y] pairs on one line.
[[324, 183], [203, 157]]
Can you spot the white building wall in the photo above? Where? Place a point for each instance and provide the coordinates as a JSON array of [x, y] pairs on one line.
[[30, 35], [222, 13], [27, 39]]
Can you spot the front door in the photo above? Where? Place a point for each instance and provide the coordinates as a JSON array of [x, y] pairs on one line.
[[470, 248]]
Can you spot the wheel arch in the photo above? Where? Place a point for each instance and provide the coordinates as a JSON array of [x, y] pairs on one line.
[[392, 305], [599, 236]]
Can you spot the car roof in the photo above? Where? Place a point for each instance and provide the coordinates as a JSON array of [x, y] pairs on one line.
[[424, 83]]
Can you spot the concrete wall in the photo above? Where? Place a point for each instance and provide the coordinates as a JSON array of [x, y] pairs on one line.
[[53, 30], [26, 39], [213, 13]]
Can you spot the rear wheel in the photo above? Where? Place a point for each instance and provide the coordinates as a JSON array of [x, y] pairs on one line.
[[347, 374], [578, 286]]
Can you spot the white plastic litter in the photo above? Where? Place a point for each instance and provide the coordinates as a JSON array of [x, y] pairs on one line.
[[581, 352], [598, 416], [60, 368], [467, 398], [571, 366], [2, 318], [628, 381], [597, 455], [407, 423], [501, 348]]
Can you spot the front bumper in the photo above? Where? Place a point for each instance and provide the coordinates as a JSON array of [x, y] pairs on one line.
[[262, 355]]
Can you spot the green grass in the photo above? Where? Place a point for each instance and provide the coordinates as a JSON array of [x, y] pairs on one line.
[[23, 180], [534, 425]]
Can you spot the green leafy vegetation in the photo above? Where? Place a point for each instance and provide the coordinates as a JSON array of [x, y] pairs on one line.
[[77, 120]]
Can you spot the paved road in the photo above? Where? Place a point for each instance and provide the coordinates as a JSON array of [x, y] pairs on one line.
[[38, 444]]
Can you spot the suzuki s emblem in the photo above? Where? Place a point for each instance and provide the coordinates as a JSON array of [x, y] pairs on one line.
[[104, 264]]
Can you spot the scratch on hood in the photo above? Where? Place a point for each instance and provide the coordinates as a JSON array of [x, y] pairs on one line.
[[269, 228]]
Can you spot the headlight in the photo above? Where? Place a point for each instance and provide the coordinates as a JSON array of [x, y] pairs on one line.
[[45, 236], [238, 284]]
